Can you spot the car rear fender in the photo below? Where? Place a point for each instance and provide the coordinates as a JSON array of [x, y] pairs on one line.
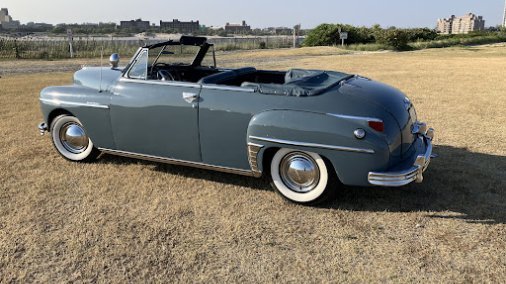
[[330, 136]]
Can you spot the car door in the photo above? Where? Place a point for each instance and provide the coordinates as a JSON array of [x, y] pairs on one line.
[[155, 118], [225, 113]]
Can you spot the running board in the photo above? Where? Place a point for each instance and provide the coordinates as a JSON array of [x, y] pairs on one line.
[[178, 162]]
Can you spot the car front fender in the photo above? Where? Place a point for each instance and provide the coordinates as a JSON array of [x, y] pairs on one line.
[[90, 106]]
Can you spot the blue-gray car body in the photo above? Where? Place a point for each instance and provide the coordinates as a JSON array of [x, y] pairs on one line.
[[369, 132]]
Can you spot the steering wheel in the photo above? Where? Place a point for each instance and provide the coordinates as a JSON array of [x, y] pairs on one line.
[[164, 75]]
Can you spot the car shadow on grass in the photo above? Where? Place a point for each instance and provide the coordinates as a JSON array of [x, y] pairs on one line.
[[459, 184], [196, 173]]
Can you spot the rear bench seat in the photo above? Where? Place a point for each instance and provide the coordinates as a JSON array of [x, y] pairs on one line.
[[299, 83]]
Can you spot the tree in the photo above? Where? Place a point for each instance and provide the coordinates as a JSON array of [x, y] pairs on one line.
[[395, 38], [324, 34], [421, 34], [328, 34]]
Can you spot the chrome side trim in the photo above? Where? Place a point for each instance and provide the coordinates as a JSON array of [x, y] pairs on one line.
[[163, 83], [412, 174], [86, 104], [351, 117], [227, 88], [177, 162], [313, 145], [253, 150]]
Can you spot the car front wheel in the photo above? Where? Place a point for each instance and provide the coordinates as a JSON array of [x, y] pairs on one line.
[[301, 177], [71, 141]]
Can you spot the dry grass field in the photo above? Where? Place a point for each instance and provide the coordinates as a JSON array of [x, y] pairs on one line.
[[122, 220]]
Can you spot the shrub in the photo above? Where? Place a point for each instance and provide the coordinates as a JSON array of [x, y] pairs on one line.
[[448, 41], [395, 38], [323, 35], [422, 34], [328, 34]]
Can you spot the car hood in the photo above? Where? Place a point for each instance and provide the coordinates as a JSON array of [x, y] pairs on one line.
[[99, 78]]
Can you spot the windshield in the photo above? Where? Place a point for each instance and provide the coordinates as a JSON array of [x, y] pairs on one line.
[[178, 55]]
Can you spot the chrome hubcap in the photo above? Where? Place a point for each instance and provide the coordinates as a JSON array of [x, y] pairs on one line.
[[299, 172], [74, 138]]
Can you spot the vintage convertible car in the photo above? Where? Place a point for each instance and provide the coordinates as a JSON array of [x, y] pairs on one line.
[[308, 131]]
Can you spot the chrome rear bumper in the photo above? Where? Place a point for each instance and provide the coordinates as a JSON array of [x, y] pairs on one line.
[[412, 174]]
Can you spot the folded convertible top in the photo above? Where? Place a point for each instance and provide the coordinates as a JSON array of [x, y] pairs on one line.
[[301, 83]]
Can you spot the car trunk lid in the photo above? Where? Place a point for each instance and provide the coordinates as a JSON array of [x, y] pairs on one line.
[[392, 101]]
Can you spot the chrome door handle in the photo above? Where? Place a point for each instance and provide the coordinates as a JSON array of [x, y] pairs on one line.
[[190, 97]]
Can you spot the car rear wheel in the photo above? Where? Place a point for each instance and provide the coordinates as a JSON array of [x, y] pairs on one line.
[[301, 177], [71, 141]]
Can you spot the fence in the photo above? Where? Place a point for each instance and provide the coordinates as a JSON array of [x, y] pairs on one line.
[[58, 48]]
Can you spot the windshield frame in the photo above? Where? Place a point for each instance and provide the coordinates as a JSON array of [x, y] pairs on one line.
[[197, 61], [184, 41], [187, 41]]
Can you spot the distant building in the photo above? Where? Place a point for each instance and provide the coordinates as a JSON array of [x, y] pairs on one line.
[[468, 23], [461, 25], [36, 27], [181, 27], [138, 25], [279, 30], [444, 26], [42, 26], [6, 21], [238, 28]]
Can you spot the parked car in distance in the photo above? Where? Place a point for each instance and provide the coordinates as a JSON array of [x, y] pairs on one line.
[[309, 131]]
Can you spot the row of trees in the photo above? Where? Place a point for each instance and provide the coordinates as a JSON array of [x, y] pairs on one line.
[[100, 28], [395, 38]]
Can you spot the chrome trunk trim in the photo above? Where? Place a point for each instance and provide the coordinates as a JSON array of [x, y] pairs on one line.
[[313, 145], [177, 162], [253, 150]]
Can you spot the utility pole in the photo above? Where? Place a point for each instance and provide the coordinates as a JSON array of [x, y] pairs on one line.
[[296, 30], [70, 37], [504, 16]]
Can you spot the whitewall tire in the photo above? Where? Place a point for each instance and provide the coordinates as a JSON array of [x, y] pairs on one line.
[[301, 177], [71, 141]]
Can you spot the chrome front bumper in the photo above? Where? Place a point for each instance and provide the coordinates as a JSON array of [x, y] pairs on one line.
[[43, 128], [414, 173]]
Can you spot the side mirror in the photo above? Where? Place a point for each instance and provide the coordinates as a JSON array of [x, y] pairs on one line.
[[114, 60]]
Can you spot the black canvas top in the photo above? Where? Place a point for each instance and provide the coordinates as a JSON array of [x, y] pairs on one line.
[[301, 83], [184, 40]]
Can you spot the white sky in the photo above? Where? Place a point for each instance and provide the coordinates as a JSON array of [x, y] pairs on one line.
[[258, 13]]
